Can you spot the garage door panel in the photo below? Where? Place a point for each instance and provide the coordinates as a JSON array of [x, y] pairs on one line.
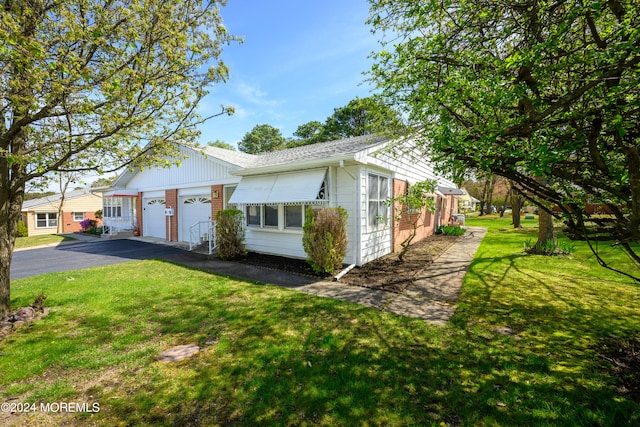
[[153, 221], [194, 209]]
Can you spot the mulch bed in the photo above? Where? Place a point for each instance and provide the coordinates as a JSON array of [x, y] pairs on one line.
[[386, 273], [390, 274]]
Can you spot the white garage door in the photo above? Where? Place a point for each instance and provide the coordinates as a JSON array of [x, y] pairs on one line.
[[193, 210], [153, 220]]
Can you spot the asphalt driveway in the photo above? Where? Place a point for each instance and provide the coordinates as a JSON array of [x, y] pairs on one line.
[[78, 255]]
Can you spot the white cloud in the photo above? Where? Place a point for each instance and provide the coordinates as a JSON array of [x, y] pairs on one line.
[[254, 95]]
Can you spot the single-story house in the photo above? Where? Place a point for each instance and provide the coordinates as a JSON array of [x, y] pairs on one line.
[[178, 203], [41, 215], [466, 202]]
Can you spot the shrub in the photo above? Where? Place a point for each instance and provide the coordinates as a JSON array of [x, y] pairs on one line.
[[449, 230], [230, 233], [325, 238], [549, 248], [22, 230], [87, 224]]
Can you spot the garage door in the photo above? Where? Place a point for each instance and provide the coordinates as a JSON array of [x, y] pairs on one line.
[[153, 220], [193, 210]]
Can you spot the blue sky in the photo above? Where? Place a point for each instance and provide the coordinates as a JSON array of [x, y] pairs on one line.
[[300, 59]]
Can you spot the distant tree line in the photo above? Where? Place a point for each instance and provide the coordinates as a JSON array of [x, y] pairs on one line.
[[361, 116]]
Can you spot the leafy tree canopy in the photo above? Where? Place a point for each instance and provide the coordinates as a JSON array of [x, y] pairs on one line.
[[221, 144], [91, 85], [545, 93], [361, 116], [261, 139]]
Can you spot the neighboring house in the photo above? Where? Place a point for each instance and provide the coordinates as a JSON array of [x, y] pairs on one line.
[[41, 215], [273, 190], [466, 202]]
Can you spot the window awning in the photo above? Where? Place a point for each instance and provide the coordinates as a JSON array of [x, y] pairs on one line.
[[450, 191], [121, 193], [291, 188]]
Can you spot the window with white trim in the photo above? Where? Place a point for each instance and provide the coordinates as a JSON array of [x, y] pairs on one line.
[[270, 215], [280, 216], [228, 192], [78, 216], [378, 193], [293, 216], [254, 216], [47, 220], [113, 207]]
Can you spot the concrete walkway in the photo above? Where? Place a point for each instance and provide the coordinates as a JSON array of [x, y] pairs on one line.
[[431, 297]]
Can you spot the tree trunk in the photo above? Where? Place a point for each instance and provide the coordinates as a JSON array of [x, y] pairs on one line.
[[545, 228], [10, 211], [516, 206]]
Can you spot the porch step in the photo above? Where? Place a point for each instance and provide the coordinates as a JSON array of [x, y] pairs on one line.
[[118, 235]]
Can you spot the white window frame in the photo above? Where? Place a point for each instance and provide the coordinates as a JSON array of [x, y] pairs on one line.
[[75, 216], [381, 219], [113, 206], [50, 218], [227, 192], [302, 217], [282, 220]]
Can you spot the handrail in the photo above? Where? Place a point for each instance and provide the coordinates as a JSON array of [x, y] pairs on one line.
[[200, 232], [115, 224]]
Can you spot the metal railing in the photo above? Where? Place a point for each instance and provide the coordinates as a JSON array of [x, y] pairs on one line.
[[203, 232], [113, 225]]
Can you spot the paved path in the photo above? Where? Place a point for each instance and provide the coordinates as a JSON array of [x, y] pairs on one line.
[[433, 294], [84, 253]]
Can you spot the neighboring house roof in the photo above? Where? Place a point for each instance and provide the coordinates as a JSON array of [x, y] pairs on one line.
[[54, 198], [450, 191]]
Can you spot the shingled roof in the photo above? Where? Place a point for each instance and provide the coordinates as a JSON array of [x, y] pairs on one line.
[[322, 150]]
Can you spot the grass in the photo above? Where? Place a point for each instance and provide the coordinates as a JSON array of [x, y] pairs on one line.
[[273, 356], [45, 239]]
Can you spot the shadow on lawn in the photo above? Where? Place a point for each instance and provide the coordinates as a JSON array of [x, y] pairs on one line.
[[289, 358]]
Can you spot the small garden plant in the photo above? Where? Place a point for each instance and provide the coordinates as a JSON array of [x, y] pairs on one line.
[[449, 230], [230, 233], [325, 238]]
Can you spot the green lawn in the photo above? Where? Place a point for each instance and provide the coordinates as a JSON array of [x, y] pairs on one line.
[[273, 356], [46, 239]]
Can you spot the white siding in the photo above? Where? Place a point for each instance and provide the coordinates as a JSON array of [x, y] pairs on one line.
[[283, 243], [375, 242], [406, 167], [195, 170], [344, 195]]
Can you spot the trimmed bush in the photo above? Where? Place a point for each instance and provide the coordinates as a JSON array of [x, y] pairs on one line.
[[22, 230], [325, 238], [230, 233]]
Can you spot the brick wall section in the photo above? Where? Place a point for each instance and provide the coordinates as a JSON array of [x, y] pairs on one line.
[[171, 200], [71, 226], [402, 228], [139, 212], [217, 203]]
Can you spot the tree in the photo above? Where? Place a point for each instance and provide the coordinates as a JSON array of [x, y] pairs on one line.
[[262, 139], [543, 93], [221, 144], [361, 116], [95, 86], [410, 205], [308, 133]]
